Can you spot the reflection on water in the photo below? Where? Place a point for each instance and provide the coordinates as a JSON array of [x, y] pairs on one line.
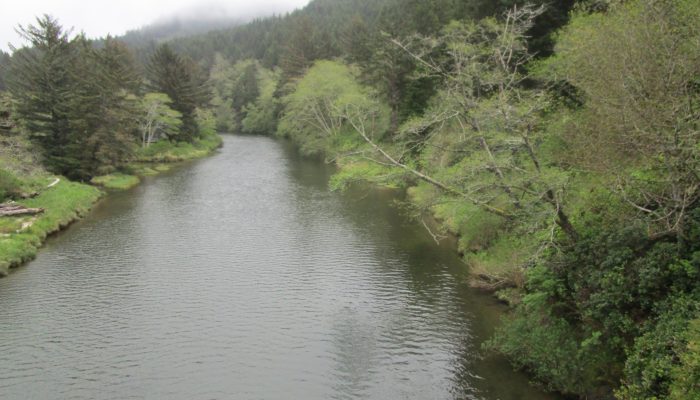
[[241, 276]]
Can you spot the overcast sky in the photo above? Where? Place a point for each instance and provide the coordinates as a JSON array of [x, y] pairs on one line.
[[97, 18]]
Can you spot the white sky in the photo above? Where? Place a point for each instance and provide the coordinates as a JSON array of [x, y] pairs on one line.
[[97, 18]]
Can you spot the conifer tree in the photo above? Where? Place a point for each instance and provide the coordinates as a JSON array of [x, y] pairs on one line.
[[40, 80], [299, 52], [4, 65], [176, 76], [246, 89], [75, 100]]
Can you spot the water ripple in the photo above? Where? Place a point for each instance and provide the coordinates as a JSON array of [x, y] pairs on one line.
[[242, 277]]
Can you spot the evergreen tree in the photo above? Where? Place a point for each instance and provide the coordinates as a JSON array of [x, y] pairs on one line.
[[355, 40], [41, 81], [75, 99], [177, 77], [117, 82], [102, 129], [4, 65], [299, 52], [8, 121], [246, 88]]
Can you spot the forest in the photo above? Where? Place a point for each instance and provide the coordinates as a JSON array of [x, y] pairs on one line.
[[559, 141]]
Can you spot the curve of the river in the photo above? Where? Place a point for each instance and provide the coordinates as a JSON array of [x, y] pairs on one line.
[[241, 276]]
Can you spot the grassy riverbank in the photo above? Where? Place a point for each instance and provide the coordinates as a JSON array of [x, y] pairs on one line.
[[21, 237], [65, 201], [156, 159]]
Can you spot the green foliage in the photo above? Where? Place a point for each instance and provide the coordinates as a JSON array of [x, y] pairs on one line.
[[245, 89], [74, 99], [8, 117], [165, 151], [178, 77], [552, 348], [628, 287], [4, 63], [323, 105], [261, 115], [571, 182], [662, 359], [244, 96], [158, 120], [40, 80], [634, 294], [103, 131], [642, 105], [206, 123], [686, 376], [64, 203], [9, 185], [363, 172]]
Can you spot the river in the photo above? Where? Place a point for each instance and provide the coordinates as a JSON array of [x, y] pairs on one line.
[[241, 276]]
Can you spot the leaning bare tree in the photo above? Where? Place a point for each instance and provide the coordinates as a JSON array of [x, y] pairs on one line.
[[484, 117]]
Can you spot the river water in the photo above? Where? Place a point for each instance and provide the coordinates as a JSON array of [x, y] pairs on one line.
[[241, 276]]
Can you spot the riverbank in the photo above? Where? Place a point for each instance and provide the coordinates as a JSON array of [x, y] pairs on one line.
[[22, 236], [65, 202], [158, 158]]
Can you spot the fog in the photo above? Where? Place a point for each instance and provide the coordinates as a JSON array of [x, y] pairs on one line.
[[98, 18]]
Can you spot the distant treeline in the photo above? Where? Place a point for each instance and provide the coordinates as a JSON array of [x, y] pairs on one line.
[[88, 107]]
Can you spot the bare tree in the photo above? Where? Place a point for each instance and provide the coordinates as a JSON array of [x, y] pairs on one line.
[[158, 118], [495, 120]]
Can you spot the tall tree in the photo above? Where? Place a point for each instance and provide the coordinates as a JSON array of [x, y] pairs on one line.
[[246, 88], [115, 82], [74, 99], [300, 51], [40, 80], [4, 65], [177, 77]]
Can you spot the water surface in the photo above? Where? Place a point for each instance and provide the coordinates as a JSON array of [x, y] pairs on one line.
[[241, 276]]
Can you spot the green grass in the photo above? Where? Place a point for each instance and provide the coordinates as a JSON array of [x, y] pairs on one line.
[[64, 203], [116, 181], [156, 159], [167, 152]]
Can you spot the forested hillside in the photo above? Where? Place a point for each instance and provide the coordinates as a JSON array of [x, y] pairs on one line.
[[559, 140], [176, 27]]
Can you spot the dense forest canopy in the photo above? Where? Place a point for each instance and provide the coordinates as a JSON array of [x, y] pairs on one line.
[[177, 27], [559, 140]]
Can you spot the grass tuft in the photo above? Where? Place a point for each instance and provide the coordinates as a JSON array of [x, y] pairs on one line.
[[116, 181]]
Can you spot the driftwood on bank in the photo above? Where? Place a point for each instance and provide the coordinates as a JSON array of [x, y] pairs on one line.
[[16, 209]]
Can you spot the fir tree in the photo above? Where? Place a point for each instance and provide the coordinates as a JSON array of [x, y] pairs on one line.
[[176, 76], [41, 81]]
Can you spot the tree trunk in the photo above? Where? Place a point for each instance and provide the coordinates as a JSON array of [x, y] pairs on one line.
[[7, 210]]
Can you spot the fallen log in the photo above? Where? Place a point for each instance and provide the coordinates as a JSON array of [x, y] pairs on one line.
[[7, 210]]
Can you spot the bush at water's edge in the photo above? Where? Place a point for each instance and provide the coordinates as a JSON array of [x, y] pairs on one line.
[[155, 159]]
